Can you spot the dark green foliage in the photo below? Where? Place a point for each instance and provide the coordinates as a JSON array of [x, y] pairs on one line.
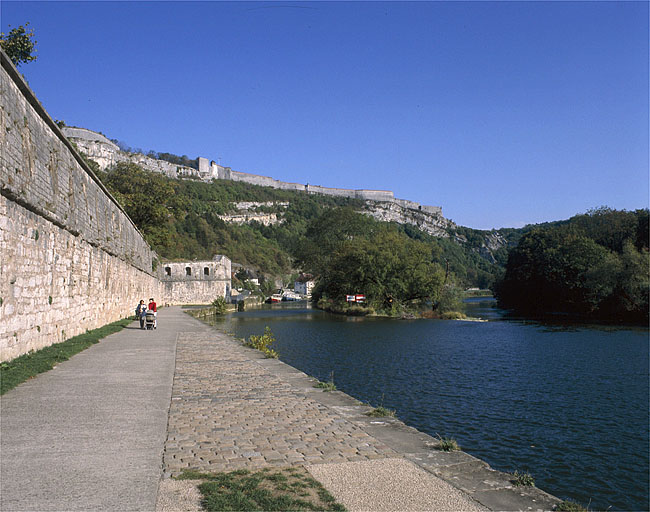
[[19, 44], [596, 265], [29, 365], [570, 506], [354, 254], [220, 306], [180, 218]]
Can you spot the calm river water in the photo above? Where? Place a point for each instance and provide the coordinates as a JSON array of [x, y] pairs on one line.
[[567, 404]]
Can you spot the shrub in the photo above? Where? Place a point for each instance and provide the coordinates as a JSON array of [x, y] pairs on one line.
[[570, 506], [381, 412], [327, 386], [220, 306], [447, 444], [262, 343]]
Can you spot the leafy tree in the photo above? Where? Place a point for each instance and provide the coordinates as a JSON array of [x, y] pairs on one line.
[[148, 198], [385, 265], [19, 44], [595, 265]]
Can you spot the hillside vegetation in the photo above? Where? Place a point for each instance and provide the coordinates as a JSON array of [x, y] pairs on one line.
[[180, 219], [595, 265]]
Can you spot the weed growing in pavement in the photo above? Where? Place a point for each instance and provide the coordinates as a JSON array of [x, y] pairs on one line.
[[523, 479], [447, 444], [327, 386], [263, 342], [570, 506]]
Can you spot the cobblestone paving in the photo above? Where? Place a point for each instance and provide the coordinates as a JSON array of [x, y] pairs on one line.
[[229, 412]]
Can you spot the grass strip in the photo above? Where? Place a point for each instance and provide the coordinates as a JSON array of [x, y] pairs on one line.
[[267, 489], [29, 365]]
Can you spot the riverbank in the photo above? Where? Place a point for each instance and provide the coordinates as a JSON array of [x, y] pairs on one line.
[[520, 395], [262, 412], [345, 309]]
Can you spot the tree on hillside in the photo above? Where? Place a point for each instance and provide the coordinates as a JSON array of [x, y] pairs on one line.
[[19, 44]]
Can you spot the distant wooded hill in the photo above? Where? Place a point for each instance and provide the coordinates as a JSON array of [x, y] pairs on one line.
[[181, 219], [594, 266]]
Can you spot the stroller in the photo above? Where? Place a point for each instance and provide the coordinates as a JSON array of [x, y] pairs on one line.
[[150, 320]]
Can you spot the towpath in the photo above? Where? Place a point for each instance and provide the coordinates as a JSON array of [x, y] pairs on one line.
[[98, 432]]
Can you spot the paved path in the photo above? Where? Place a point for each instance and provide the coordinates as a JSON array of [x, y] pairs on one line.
[[98, 432], [89, 434], [229, 411]]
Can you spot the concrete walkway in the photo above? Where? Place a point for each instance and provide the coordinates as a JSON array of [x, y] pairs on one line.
[[89, 434]]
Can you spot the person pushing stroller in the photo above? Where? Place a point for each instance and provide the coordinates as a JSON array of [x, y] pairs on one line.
[[153, 309]]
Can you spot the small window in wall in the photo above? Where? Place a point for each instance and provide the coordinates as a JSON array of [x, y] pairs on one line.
[[168, 271], [188, 271], [206, 271]]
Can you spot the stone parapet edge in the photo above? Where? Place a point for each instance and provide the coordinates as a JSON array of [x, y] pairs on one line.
[[489, 487], [31, 98]]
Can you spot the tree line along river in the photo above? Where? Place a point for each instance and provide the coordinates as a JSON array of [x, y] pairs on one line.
[[568, 404]]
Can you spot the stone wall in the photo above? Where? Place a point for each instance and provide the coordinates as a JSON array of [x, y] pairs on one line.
[[98, 148], [196, 282], [70, 258]]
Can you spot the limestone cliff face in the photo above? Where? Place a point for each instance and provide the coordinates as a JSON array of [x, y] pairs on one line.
[[107, 154], [429, 222], [380, 204]]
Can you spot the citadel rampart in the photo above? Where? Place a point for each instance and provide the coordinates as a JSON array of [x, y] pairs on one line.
[[106, 154], [70, 258]]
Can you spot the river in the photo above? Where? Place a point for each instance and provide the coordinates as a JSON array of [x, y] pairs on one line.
[[568, 404]]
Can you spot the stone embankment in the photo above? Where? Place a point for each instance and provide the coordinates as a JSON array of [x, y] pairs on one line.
[[233, 409], [94, 435]]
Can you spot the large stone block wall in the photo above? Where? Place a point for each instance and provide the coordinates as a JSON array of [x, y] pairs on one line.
[[70, 258], [196, 282], [54, 285]]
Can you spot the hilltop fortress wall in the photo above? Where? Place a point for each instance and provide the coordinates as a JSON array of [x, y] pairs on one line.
[[70, 258], [106, 153]]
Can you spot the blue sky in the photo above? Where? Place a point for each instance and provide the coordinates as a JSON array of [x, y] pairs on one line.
[[503, 113]]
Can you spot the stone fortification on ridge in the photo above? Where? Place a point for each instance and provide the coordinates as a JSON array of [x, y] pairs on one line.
[[106, 153]]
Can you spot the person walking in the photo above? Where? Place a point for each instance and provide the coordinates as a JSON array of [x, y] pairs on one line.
[[140, 313], [152, 307]]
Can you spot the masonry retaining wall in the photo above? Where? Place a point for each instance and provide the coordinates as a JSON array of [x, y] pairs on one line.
[[70, 258]]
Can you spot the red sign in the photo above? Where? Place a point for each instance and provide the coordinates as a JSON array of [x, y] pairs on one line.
[[360, 298]]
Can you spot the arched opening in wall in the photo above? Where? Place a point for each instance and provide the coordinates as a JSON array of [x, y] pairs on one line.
[[188, 271], [168, 271], [206, 271]]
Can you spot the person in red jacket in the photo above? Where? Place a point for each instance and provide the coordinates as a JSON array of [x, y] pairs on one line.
[[152, 307]]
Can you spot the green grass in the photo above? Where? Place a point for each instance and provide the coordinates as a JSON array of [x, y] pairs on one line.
[[327, 386], [523, 479], [447, 444], [381, 412], [267, 489], [29, 365], [571, 506]]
